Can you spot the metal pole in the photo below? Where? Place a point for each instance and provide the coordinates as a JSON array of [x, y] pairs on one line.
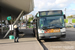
[[6, 23], [26, 22], [22, 19], [21, 22], [18, 17], [65, 11], [1, 27], [11, 25], [1, 17]]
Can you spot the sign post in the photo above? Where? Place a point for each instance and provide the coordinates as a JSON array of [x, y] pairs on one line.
[[9, 18], [10, 26]]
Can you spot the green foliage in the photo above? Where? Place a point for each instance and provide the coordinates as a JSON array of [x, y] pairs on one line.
[[70, 16], [73, 20], [66, 20], [29, 20]]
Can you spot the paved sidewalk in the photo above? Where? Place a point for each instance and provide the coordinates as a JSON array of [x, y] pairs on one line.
[[24, 44]]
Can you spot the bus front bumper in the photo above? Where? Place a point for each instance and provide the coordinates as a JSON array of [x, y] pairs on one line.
[[52, 36]]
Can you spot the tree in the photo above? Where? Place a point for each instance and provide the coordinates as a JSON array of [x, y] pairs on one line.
[[71, 16], [29, 20]]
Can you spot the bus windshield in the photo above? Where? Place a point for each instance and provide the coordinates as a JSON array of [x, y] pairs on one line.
[[51, 22]]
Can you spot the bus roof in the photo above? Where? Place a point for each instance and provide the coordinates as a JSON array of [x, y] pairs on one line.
[[49, 13]]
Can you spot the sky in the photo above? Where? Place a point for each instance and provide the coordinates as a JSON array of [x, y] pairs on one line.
[[43, 5]]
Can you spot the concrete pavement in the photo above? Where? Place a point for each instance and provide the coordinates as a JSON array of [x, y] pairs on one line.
[[24, 44], [28, 42]]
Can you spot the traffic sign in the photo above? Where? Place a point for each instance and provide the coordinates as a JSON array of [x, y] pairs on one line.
[[11, 27], [9, 18]]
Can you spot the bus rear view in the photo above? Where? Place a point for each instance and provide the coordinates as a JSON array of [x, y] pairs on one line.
[[49, 24]]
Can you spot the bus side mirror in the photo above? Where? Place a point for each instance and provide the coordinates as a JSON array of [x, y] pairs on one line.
[[64, 16]]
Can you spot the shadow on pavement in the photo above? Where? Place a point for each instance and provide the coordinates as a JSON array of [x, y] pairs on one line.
[[45, 48], [28, 33]]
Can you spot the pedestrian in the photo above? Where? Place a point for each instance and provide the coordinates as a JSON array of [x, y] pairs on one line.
[[16, 33]]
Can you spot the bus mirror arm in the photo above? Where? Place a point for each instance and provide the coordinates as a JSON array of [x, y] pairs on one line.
[[64, 16]]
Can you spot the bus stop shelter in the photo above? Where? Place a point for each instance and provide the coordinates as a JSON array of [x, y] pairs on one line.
[[15, 8]]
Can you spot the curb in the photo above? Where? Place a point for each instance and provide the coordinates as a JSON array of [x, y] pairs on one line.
[[40, 45]]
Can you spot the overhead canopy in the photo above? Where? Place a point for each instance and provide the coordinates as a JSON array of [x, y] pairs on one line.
[[14, 7]]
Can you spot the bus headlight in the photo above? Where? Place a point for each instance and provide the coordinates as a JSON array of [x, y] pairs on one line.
[[40, 31], [63, 30]]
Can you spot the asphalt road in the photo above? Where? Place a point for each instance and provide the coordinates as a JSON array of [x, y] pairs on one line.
[[67, 43]]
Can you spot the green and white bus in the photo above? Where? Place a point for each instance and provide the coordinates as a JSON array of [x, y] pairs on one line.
[[49, 24]]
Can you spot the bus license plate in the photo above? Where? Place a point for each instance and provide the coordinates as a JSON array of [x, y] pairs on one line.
[[53, 37]]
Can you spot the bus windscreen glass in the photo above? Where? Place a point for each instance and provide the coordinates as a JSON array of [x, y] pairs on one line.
[[51, 22]]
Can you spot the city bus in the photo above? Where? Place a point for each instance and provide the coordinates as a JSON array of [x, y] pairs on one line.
[[49, 24]]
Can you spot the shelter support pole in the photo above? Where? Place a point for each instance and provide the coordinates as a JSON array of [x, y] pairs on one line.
[[20, 15], [20, 24], [26, 22], [21, 21], [1, 27]]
